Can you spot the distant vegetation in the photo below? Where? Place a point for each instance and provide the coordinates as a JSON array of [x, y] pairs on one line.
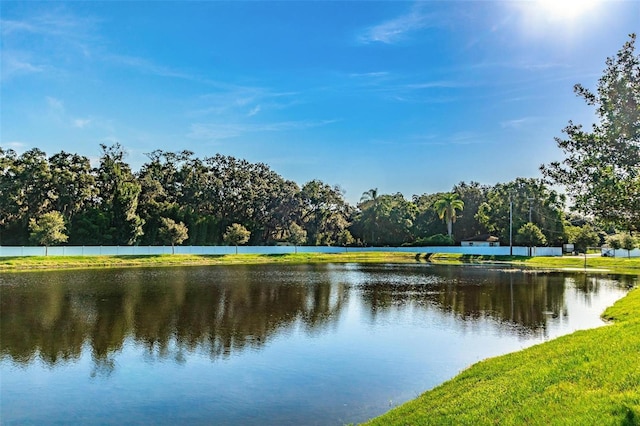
[[177, 198]]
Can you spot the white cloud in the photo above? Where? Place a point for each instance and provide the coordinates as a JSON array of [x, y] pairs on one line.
[[237, 101], [376, 74], [215, 131], [15, 63], [517, 123], [218, 131], [396, 29], [15, 145], [148, 67], [81, 123], [55, 104], [435, 85], [465, 138], [254, 111]]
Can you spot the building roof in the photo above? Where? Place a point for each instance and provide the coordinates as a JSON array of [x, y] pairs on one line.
[[483, 237]]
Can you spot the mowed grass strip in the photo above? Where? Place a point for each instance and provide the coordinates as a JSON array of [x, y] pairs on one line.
[[590, 377], [617, 264], [79, 262]]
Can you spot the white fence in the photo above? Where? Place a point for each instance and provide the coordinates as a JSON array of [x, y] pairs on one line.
[[6, 251], [620, 252]]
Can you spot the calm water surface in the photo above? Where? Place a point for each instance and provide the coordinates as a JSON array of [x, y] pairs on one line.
[[302, 344]]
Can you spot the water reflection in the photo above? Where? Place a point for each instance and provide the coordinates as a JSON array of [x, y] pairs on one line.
[[221, 311], [52, 315]]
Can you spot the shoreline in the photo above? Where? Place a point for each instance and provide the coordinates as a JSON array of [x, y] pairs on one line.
[[565, 263], [586, 377]]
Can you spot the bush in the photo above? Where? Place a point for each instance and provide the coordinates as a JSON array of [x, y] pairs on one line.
[[434, 240]]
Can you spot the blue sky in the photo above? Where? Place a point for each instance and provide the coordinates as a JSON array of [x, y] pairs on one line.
[[408, 97]]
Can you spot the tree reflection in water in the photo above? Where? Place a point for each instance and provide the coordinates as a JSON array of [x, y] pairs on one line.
[[224, 310]]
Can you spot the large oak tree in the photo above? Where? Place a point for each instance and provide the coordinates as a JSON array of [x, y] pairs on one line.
[[601, 171]]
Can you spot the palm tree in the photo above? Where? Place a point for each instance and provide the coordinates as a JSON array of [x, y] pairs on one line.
[[446, 207], [369, 205]]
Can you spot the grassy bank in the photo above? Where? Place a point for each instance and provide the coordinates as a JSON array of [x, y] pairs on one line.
[[595, 264], [76, 262], [590, 377]]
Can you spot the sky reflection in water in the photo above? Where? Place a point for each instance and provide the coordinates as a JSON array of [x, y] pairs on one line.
[[302, 344]]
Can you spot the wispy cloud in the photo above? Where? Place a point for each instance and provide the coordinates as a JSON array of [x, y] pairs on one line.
[[57, 37], [398, 28], [57, 111], [465, 138], [517, 123], [436, 85], [15, 145], [221, 131], [81, 123], [58, 29], [145, 66], [254, 111], [215, 132], [50, 24], [15, 64], [55, 105], [375, 74], [459, 138], [235, 100], [520, 64]]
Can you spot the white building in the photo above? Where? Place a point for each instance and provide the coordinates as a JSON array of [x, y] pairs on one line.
[[484, 240]]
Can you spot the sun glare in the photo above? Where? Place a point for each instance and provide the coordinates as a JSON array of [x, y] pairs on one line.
[[565, 9]]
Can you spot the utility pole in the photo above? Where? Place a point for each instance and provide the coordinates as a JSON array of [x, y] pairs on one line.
[[530, 199], [510, 226]]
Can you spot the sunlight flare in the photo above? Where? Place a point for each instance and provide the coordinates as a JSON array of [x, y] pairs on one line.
[[566, 9]]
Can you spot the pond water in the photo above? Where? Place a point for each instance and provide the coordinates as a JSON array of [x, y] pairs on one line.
[[271, 344]]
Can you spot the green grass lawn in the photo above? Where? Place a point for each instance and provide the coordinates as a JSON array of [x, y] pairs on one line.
[[70, 262], [590, 377], [617, 265], [596, 263]]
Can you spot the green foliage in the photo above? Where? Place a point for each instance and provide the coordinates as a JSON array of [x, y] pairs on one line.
[[324, 212], [434, 240], [427, 222], [345, 238], [236, 234], [48, 229], [530, 197], [584, 238], [601, 170], [472, 195], [447, 207], [119, 191], [384, 219], [614, 241], [297, 235], [173, 233], [110, 204], [628, 243], [530, 235]]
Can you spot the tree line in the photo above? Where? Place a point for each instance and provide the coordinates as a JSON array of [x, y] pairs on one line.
[[177, 197]]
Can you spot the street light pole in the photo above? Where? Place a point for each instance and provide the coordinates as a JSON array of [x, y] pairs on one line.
[[510, 226]]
